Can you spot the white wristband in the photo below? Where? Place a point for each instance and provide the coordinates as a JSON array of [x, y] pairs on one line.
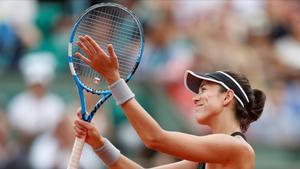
[[108, 153], [120, 91]]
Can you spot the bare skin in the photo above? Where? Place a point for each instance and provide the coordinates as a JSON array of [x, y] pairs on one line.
[[218, 150]]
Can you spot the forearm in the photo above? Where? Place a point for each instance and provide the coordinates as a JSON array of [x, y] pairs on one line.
[[146, 127], [112, 157]]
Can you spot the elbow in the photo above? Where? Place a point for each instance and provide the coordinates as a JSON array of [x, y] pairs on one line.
[[151, 143], [155, 141]]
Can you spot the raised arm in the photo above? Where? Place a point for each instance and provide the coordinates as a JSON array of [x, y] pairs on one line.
[[184, 146]]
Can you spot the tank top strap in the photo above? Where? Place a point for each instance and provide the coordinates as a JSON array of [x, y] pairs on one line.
[[201, 166], [237, 133]]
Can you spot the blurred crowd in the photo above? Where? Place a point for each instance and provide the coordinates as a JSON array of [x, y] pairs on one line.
[[259, 38]]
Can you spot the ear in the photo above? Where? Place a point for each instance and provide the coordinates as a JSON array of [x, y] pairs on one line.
[[229, 96]]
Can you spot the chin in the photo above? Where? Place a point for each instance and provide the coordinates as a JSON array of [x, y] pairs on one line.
[[202, 117], [202, 121]]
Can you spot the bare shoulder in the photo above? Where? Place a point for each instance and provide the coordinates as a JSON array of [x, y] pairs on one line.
[[247, 151], [236, 152]]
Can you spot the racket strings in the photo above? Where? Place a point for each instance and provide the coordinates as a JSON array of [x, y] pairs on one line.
[[99, 39], [86, 29], [109, 25], [132, 37], [95, 18]]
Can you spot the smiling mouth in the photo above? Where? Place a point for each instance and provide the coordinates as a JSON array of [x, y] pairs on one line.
[[199, 105]]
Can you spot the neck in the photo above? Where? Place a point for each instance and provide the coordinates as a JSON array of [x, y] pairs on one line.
[[225, 123]]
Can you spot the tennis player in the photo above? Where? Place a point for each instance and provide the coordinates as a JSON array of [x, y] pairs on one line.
[[223, 100]]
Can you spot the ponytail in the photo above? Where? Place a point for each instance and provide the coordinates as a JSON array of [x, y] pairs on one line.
[[254, 108], [258, 104]]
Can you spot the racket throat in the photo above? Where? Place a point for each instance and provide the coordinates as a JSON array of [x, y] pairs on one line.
[[86, 117]]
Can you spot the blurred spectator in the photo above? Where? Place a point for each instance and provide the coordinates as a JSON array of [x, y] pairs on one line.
[[9, 153], [288, 47], [5, 149], [52, 149], [17, 34], [278, 125], [10, 47], [35, 110]]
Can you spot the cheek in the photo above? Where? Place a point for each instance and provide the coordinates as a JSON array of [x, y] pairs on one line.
[[210, 108]]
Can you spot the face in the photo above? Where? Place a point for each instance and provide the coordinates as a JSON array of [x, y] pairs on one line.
[[209, 102], [38, 90]]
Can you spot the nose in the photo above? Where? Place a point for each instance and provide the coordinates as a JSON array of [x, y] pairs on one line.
[[196, 98]]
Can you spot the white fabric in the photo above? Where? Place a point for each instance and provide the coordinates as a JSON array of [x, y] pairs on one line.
[[288, 50], [108, 153], [32, 115], [120, 91], [38, 68], [18, 12], [46, 153]]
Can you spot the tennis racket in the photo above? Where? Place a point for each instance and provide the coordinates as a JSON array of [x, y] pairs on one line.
[[106, 23]]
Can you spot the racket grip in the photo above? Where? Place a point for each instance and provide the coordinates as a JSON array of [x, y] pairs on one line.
[[76, 153]]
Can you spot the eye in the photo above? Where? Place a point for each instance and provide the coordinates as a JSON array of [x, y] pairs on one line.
[[202, 89]]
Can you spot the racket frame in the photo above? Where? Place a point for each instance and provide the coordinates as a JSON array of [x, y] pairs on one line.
[[81, 87]]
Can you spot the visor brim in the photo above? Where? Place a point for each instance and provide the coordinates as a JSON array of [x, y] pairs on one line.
[[192, 81]]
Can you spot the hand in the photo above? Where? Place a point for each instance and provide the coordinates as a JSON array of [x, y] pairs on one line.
[[105, 64], [88, 131]]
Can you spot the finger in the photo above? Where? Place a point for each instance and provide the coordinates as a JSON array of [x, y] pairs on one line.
[[79, 130], [86, 60], [84, 124], [88, 45], [111, 52], [78, 127], [83, 47], [94, 44], [80, 134]]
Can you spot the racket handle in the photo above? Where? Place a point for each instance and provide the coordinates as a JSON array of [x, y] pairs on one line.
[[76, 153]]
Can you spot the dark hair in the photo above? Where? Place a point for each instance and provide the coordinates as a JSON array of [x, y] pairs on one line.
[[252, 110]]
